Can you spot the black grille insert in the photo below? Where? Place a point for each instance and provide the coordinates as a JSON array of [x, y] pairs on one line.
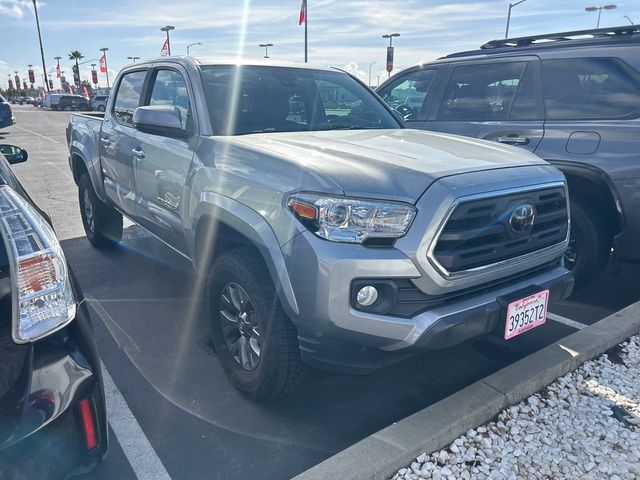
[[479, 232]]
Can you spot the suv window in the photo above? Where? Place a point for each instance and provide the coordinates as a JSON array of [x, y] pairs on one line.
[[490, 92], [583, 88], [128, 96], [409, 92], [169, 88]]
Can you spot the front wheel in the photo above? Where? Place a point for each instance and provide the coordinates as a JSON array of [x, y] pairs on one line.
[[256, 343], [101, 108], [589, 244], [102, 224]]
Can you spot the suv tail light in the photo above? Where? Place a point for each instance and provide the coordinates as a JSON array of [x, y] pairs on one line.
[[43, 300]]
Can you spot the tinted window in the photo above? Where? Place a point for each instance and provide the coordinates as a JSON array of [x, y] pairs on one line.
[[408, 93], [588, 88], [169, 88], [128, 96], [490, 92], [249, 99]]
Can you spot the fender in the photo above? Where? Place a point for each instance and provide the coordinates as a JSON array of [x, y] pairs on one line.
[[254, 227], [78, 149], [597, 176]]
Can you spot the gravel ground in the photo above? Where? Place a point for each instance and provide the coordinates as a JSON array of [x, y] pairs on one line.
[[586, 425]]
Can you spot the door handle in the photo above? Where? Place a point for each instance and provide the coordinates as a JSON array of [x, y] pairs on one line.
[[514, 140], [138, 153], [105, 141]]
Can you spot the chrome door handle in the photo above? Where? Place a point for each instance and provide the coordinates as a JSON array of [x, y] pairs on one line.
[[105, 141], [514, 140], [138, 153]]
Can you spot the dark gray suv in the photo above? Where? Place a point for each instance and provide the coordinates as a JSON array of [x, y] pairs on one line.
[[573, 98]]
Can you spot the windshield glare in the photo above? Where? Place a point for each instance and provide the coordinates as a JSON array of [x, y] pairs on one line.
[[256, 99]]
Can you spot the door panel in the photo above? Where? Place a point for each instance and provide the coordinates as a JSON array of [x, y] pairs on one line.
[[117, 139], [496, 101], [162, 163]]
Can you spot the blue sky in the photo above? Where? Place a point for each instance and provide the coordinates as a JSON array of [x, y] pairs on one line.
[[343, 33]]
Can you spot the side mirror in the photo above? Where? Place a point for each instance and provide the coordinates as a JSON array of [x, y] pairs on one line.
[[164, 120], [14, 154]]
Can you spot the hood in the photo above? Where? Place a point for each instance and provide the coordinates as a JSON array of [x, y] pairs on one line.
[[398, 164]]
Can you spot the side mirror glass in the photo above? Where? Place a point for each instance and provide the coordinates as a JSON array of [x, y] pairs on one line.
[[14, 154], [164, 120]]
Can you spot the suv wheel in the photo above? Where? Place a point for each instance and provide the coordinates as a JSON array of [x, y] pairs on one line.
[[256, 343], [102, 224], [101, 108], [589, 244]]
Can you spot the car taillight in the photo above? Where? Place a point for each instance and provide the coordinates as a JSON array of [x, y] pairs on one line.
[[88, 424], [43, 300]]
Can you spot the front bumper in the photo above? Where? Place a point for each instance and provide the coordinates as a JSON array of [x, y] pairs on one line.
[[334, 335], [46, 439]]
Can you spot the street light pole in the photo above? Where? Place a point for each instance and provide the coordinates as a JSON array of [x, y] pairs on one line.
[[191, 45], [611, 6], [391, 36], [630, 21], [370, 65], [167, 29], [511, 5], [44, 66], [266, 48], [106, 67]]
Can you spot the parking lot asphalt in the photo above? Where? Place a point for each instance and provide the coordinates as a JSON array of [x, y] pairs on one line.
[[154, 341]]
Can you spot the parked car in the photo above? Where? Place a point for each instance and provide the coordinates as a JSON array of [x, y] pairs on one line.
[[331, 237], [72, 102], [99, 103], [29, 100], [52, 408], [51, 100], [572, 98], [6, 114]]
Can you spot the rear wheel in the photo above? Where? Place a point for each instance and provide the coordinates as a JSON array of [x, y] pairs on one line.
[[101, 108], [256, 343], [102, 224], [589, 244]]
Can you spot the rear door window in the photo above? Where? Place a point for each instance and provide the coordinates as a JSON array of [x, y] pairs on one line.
[[128, 96], [490, 92], [589, 88], [409, 93]]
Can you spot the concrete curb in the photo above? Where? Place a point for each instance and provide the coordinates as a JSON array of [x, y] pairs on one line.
[[380, 455]]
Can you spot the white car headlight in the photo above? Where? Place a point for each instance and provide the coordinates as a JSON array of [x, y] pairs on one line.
[[351, 220], [43, 300]]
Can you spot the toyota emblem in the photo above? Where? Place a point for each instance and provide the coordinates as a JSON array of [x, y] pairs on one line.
[[522, 218]]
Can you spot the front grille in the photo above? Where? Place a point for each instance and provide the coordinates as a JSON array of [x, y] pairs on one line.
[[479, 232]]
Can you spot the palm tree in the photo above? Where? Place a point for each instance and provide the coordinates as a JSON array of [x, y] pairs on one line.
[[76, 55]]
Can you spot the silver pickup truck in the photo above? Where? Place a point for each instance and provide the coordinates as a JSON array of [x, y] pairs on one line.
[[326, 233]]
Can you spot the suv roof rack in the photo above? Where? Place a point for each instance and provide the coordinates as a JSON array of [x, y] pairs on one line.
[[564, 36]]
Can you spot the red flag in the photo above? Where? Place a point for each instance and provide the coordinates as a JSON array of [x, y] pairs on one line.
[[85, 91], [303, 13], [103, 64], [165, 48], [58, 71]]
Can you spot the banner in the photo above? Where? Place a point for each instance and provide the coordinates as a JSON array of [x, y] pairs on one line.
[[389, 59], [32, 77], [103, 64], [94, 77], [165, 48], [10, 84], [85, 91], [58, 75]]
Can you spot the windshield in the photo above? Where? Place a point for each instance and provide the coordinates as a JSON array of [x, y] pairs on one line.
[[256, 99]]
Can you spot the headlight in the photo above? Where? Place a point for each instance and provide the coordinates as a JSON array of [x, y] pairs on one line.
[[43, 301], [352, 220]]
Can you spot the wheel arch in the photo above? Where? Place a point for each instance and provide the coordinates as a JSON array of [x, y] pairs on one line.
[[221, 223], [594, 185]]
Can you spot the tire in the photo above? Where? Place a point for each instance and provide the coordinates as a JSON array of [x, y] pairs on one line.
[[278, 369], [589, 244], [68, 108], [102, 224], [101, 108]]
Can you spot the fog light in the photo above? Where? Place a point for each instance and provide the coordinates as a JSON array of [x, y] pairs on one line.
[[367, 296]]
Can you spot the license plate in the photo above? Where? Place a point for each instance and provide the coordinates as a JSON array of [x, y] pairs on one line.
[[525, 314]]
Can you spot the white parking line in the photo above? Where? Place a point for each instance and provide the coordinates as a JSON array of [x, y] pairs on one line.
[[136, 446], [36, 133], [566, 321]]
